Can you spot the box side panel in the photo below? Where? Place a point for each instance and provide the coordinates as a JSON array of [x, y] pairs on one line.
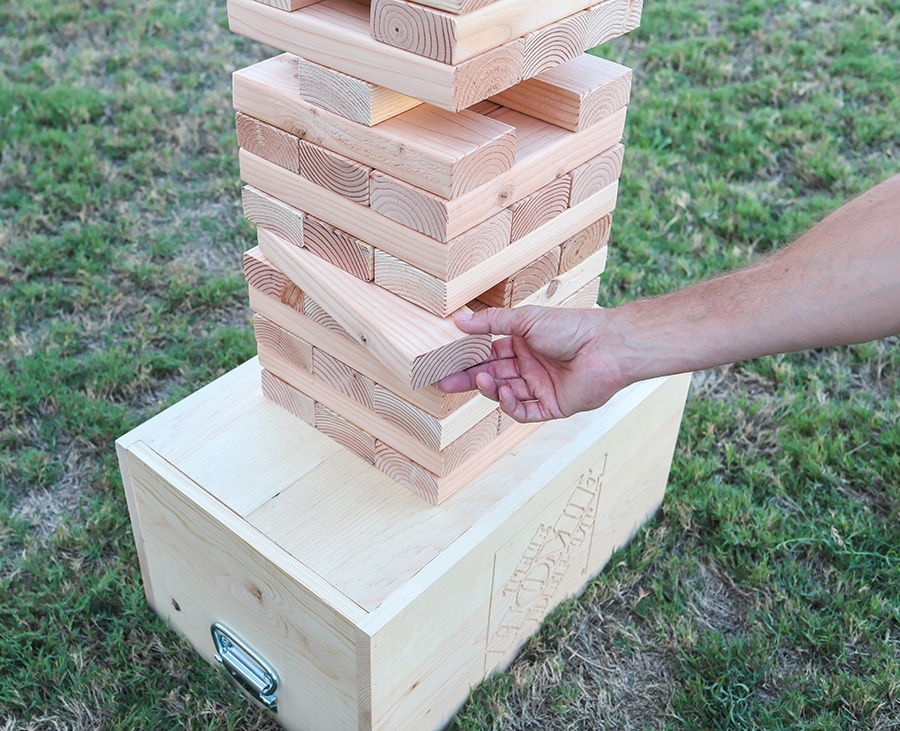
[[207, 565], [476, 616]]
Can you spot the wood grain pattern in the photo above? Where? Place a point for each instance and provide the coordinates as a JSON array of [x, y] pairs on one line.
[[555, 44], [345, 433], [293, 349], [564, 286], [524, 283], [349, 97], [269, 212], [335, 172], [446, 154], [596, 174], [335, 34], [585, 297], [288, 5], [542, 206], [317, 314], [343, 378], [422, 347], [268, 141], [290, 399], [340, 248], [609, 19], [573, 95], [585, 243], [264, 277]]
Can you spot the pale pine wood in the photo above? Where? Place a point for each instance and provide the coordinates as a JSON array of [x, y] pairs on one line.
[[441, 297], [335, 172], [345, 379], [340, 248], [564, 286], [271, 282], [298, 404], [293, 349], [288, 5], [268, 141], [335, 34], [349, 97], [572, 95], [430, 399], [314, 311], [586, 297], [596, 174], [611, 19], [524, 282], [555, 44], [545, 152], [345, 433], [542, 206], [421, 347], [452, 38], [446, 154], [264, 210], [585, 243], [389, 633], [456, 6]]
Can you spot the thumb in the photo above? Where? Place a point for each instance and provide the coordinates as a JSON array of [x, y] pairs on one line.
[[493, 321]]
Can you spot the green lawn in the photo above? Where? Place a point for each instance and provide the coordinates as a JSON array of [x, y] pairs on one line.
[[766, 593]]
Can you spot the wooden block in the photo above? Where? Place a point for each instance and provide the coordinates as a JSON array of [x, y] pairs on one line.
[[421, 347], [546, 152], [584, 244], [456, 6], [298, 404], [349, 97], [267, 279], [291, 348], [268, 212], [446, 154], [430, 399], [343, 378], [573, 95], [596, 174], [317, 314], [335, 34], [540, 207], [452, 38], [390, 633], [611, 19], [340, 248], [442, 297], [346, 434], [562, 287], [555, 44], [268, 141], [586, 297], [524, 282], [288, 5], [335, 172]]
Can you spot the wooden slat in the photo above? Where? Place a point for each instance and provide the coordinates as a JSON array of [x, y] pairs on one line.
[[585, 297], [349, 97], [568, 284], [298, 404], [421, 347], [540, 207], [293, 349], [316, 314], [335, 34], [609, 20], [339, 248], [452, 38], [585, 244], [524, 282], [545, 152], [269, 212], [260, 275], [288, 5], [268, 141], [345, 433], [446, 154], [555, 44], [345, 379], [596, 174], [335, 172], [456, 6], [573, 95], [430, 399]]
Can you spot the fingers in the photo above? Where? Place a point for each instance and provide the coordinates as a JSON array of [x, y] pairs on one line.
[[493, 320]]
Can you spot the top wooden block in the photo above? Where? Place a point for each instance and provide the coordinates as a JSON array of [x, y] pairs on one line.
[[336, 34]]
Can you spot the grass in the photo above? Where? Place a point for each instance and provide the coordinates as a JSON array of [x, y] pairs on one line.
[[764, 594]]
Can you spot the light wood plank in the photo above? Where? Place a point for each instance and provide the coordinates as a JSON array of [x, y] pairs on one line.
[[268, 141], [545, 152], [584, 244], [317, 314], [586, 297], [260, 275], [542, 206], [288, 5], [293, 349], [452, 38], [524, 282], [555, 44], [608, 20], [343, 378], [446, 154], [269, 212], [345, 433], [570, 283], [290, 399], [335, 34], [349, 97], [335, 172], [421, 347], [572, 95], [430, 399], [340, 248], [596, 174], [456, 6]]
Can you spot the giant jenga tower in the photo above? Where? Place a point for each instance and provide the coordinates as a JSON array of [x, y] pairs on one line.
[[403, 162]]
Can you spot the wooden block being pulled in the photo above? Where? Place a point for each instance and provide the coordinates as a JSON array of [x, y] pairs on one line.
[[430, 399], [335, 34], [573, 95], [422, 348], [544, 153], [452, 38], [351, 98], [446, 154], [268, 141]]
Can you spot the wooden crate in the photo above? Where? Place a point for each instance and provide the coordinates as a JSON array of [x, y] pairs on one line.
[[374, 609]]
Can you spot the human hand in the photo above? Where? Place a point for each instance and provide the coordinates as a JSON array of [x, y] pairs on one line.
[[552, 365]]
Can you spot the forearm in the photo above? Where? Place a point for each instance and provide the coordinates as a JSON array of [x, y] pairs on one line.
[[837, 284]]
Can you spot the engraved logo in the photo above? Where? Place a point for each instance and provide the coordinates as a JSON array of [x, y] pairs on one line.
[[530, 592]]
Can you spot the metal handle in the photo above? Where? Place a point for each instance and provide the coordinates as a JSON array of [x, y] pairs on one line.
[[254, 674]]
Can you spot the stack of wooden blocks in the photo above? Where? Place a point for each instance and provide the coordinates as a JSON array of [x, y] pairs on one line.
[[403, 162], [381, 215]]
